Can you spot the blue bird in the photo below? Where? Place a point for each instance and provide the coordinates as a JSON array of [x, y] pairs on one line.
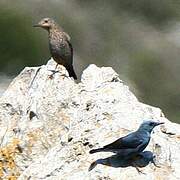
[[132, 143]]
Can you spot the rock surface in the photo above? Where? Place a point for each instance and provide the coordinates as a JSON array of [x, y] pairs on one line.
[[49, 125]]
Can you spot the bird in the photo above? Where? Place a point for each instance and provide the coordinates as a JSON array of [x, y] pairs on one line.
[[132, 143], [59, 44]]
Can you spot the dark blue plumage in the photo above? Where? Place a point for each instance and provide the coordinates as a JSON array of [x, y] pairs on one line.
[[132, 143]]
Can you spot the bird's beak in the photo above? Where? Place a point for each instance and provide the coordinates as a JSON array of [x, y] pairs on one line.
[[159, 123], [36, 25]]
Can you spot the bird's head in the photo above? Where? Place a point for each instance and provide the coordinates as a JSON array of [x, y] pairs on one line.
[[149, 125], [46, 23]]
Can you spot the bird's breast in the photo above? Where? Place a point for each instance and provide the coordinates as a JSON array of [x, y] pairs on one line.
[[145, 136]]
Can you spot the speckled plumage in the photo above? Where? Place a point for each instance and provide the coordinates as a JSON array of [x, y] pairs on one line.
[[59, 44]]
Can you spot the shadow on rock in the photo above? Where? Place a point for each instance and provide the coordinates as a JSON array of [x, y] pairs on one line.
[[140, 160]]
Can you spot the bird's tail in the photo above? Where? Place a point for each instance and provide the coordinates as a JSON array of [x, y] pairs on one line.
[[96, 150], [71, 72], [92, 166]]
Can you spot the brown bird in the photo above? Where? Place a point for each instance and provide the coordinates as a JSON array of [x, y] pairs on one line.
[[59, 44]]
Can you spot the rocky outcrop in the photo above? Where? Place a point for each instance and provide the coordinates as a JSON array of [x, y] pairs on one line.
[[48, 125]]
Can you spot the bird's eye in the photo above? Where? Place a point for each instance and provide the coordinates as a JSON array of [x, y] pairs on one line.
[[46, 21]]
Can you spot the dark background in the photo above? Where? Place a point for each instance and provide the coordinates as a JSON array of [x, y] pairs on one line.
[[139, 39]]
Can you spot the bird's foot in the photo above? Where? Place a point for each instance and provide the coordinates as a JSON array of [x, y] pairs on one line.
[[139, 171], [156, 164], [51, 76], [54, 72]]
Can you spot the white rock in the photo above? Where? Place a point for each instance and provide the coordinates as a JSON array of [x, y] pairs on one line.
[[57, 121]]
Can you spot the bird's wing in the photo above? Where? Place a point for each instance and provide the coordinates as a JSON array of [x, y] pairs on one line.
[[63, 51], [130, 141], [71, 49], [67, 49], [67, 36]]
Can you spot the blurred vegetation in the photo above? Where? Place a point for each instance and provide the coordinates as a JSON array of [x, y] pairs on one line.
[[18, 42], [139, 39]]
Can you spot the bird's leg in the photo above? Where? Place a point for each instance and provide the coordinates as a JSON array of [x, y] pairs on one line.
[[139, 171], [53, 72], [56, 67], [63, 72], [155, 164]]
